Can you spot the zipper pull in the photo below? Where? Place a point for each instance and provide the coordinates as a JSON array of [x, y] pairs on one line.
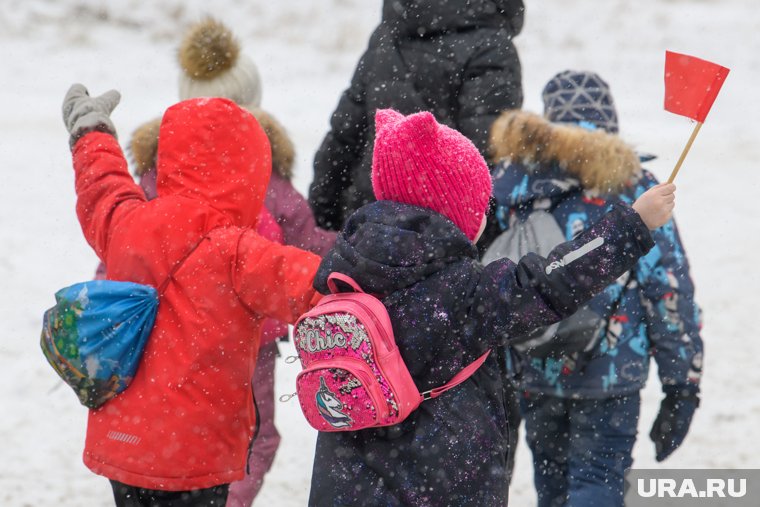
[[291, 359], [287, 397]]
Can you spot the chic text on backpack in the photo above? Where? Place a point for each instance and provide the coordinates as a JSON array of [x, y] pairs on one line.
[[353, 374]]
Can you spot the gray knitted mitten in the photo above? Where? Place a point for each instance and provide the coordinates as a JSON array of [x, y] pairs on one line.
[[83, 114]]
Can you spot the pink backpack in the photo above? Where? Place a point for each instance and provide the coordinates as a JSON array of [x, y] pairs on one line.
[[353, 375]]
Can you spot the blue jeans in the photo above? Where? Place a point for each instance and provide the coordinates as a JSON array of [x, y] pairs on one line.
[[580, 448]]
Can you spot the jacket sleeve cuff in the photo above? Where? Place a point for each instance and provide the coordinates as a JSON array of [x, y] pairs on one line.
[[82, 132], [641, 232]]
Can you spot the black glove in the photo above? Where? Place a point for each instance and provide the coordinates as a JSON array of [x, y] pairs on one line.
[[672, 423], [83, 114]]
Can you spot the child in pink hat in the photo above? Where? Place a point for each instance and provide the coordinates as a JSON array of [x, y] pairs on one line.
[[414, 248]]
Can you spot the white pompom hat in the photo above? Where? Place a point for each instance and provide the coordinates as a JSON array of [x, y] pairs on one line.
[[212, 66]]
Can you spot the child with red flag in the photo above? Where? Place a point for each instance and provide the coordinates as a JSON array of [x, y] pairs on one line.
[[581, 409]]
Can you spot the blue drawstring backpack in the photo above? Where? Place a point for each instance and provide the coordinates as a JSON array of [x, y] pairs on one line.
[[95, 334]]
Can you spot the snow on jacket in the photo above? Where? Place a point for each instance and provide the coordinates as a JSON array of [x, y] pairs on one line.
[[288, 207], [446, 310], [268, 228], [578, 175], [285, 217], [187, 418], [455, 59], [292, 221]]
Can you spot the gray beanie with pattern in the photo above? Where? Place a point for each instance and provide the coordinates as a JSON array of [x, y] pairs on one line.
[[582, 98]]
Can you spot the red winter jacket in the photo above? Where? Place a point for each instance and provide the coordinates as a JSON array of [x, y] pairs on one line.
[[187, 418], [268, 228]]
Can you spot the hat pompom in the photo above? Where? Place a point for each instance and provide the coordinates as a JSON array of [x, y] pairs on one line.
[[213, 66], [208, 50]]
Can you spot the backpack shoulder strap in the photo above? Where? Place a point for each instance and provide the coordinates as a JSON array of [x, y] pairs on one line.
[[460, 377], [340, 277]]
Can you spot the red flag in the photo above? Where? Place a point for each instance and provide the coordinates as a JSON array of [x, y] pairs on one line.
[[691, 85]]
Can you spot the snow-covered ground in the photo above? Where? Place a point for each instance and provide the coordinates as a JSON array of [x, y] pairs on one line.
[[306, 51]]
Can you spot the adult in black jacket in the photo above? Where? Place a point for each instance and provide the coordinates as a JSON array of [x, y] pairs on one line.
[[455, 59]]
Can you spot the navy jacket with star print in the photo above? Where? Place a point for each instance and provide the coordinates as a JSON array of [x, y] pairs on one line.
[[579, 175]]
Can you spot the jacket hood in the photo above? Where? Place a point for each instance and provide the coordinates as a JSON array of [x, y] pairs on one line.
[[429, 17], [386, 246], [215, 152], [600, 162]]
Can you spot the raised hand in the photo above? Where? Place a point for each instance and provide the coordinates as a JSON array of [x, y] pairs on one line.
[[83, 114], [655, 206]]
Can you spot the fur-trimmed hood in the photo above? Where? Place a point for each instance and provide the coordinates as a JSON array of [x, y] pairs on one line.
[[283, 151], [602, 162], [143, 146]]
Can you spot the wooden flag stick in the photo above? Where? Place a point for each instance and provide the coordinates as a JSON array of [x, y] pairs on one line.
[[685, 151]]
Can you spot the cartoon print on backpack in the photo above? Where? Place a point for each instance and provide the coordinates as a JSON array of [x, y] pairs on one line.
[[94, 336], [61, 346], [340, 339], [330, 407]]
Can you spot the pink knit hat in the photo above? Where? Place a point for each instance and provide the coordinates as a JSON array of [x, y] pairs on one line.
[[420, 162]]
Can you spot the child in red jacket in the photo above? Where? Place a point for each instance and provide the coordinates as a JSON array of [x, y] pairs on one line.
[[285, 218], [181, 430]]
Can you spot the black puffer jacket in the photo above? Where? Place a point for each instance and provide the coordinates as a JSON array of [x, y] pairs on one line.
[[446, 310], [455, 59]]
